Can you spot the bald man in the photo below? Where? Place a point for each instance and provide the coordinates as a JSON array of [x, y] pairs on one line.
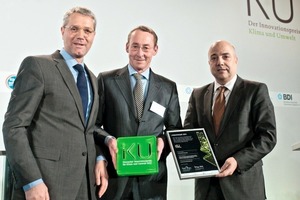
[[244, 135]]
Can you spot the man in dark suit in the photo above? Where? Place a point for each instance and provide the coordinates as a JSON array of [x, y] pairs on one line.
[[245, 134], [48, 133], [119, 115]]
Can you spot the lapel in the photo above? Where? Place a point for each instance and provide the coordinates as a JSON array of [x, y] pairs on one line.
[[208, 100], [234, 99], [69, 81], [123, 83], [94, 90], [153, 89]]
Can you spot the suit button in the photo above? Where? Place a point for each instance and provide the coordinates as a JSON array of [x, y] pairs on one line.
[[216, 144], [84, 153]]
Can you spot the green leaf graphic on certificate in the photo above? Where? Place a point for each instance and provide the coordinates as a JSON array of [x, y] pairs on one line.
[[204, 147]]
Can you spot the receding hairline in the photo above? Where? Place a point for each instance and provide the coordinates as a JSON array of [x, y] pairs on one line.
[[143, 29], [219, 42]]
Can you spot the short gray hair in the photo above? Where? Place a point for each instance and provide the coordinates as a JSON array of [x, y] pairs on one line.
[[82, 11]]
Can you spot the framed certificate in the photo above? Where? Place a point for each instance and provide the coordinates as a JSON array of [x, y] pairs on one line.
[[137, 155], [192, 153]]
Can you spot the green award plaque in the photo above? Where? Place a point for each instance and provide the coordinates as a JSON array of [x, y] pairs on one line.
[[137, 155]]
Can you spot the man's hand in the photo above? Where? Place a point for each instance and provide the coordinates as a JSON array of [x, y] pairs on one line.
[[101, 176], [38, 192], [113, 150], [160, 147], [228, 168]]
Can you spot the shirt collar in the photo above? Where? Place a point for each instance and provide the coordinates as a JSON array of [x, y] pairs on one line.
[[133, 71], [229, 85], [68, 58]]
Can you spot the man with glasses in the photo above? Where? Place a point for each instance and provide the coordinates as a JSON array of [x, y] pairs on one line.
[[49, 125]]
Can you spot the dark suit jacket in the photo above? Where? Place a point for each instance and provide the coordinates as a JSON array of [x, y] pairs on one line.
[[44, 132], [247, 133], [118, 118]]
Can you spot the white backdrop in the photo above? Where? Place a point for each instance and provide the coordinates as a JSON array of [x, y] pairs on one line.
[[185, 29]]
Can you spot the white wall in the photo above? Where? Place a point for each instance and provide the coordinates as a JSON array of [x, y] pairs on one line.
[[185, 30]]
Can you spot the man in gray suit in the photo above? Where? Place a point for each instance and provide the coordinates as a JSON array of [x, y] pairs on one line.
[[48, 133], [119, 115], [247, 131]]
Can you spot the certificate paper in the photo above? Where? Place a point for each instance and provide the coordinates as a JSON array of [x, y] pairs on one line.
[[137, 155], [192, 153]]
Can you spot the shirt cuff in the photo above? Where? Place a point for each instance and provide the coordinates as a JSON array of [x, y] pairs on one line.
[[99, 158], [32, 184], [107, 138]]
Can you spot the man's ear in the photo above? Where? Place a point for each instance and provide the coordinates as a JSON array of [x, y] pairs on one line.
[[156, 49], [62, 30], [127, 47], [236, 60]]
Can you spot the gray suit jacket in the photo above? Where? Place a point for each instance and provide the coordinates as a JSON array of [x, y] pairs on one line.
[[44, 132], [118, 118], [247, 133]]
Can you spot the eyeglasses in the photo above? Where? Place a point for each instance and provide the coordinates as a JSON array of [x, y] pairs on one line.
[[76, 29], [136, 47]]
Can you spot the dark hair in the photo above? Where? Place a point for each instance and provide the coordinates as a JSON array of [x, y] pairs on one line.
[[144, 29]]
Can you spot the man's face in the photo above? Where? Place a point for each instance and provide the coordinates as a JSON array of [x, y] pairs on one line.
[[141, 49], [223, 62], [78, 35]]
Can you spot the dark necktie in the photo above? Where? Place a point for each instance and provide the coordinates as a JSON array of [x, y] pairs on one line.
[[219, 108], [82, 87], [138, 95]]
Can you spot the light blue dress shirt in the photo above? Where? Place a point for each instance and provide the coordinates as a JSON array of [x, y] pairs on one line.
[[145, 79], [71, 62]]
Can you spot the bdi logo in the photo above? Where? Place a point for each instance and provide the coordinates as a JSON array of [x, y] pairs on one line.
[[249, 6], [285, 97]]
